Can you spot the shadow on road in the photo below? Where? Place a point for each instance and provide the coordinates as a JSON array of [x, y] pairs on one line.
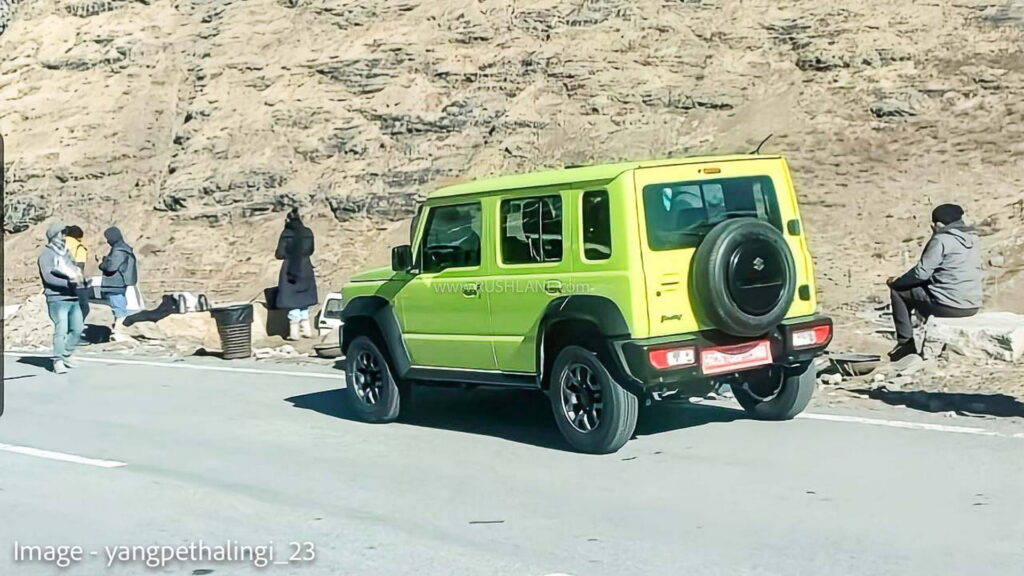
[[45, 363], [998, 405], [522, 416], [668, 417]]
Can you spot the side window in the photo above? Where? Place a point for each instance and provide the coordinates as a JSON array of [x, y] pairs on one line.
[[597, 229], [531, 230], [452, 237]]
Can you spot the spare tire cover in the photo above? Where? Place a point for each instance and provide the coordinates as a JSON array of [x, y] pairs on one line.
[[743, 277]]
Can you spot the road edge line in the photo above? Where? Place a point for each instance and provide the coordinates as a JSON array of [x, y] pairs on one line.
[[100, 360]]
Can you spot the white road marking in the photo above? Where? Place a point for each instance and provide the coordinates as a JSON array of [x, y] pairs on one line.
[[300, 374], [61, 456], [908, 425]]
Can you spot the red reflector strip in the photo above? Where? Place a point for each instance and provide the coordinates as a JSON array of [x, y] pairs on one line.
[[735, 358]]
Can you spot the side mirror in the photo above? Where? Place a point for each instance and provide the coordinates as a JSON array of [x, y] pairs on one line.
[[401, 258]]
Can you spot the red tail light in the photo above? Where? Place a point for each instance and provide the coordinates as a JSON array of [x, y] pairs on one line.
[[810, 337], [673, 357]]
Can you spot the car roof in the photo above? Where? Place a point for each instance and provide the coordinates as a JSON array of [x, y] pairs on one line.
[[572, 174]]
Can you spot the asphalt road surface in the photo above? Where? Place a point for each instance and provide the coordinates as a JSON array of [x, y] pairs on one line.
[[117, 457]]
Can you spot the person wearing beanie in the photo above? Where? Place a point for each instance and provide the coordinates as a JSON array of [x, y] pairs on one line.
[[120, 271], [946, 282], [61, 279]]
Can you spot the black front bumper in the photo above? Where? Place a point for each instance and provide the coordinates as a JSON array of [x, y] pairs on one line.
[[637, 375]]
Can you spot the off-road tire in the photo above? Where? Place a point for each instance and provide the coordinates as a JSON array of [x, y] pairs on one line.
[[792, 396], [721, 298], [387, 397], [618, 407]]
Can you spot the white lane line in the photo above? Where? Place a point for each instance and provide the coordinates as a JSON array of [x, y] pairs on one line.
[[299, 374], [61, 456], [908, 425]]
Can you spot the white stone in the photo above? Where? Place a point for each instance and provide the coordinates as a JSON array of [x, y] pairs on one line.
[[997, 335]]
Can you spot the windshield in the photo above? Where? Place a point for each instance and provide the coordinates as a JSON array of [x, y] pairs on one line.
[[679, 214]]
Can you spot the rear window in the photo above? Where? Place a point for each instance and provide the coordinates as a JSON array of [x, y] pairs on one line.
[[679, 214]]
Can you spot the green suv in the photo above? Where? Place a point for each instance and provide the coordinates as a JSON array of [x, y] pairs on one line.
[[604, 286]]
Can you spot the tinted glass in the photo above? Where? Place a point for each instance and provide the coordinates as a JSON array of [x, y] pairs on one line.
[[531, 230], [679, 214], [597, 229], [452, 238]]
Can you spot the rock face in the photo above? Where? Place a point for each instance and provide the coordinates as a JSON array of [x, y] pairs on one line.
[[193, 124], [997, 335]]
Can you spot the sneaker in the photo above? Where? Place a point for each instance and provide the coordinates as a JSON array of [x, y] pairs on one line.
[[59, 367], [901, 351], [71, 363]]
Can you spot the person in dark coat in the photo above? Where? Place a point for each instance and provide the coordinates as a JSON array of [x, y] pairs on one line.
[[120, 271], [296, 283]]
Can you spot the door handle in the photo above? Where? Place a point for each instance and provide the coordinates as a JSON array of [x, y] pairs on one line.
[[553, 287], [471, 290]]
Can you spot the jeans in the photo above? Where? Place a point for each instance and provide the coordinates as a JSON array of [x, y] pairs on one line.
[[118, 303], [298, 315], [68, 325], [83, 301], [906, 302]]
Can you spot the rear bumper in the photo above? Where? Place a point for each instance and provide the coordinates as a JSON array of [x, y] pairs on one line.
[[636, 373]]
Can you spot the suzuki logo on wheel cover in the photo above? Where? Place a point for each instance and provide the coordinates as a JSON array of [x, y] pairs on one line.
[[758, 264]]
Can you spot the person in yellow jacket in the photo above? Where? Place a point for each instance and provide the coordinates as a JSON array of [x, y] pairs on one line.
[[80, 255]]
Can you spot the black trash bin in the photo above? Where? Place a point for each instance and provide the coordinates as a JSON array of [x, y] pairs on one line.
[[234, 324]]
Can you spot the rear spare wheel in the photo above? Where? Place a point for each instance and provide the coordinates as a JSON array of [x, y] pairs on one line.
[[744, 277]]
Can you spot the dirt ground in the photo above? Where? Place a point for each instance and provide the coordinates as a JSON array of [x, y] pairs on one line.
[[192, 125]]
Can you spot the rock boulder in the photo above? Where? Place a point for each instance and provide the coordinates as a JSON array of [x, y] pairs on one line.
[[997, 335]]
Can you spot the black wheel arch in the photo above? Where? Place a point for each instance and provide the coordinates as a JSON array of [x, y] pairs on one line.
[[375, 316], [587, 320]]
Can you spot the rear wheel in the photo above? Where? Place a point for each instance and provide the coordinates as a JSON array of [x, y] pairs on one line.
[[775, 393], [371, 388], [593, 412]]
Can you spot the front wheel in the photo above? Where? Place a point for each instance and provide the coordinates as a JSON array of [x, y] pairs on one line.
[[371, 388], [775, 393], [593, 412]]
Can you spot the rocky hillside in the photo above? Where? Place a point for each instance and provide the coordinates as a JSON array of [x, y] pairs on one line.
[[191, 122]]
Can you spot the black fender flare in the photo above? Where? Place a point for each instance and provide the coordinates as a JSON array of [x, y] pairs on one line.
[[600, 311], [379, 311]]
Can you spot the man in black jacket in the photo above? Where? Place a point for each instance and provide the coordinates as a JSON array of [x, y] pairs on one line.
[[120, 271]]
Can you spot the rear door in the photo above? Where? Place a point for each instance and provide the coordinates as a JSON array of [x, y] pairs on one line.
[[678, 205], [532, 268]]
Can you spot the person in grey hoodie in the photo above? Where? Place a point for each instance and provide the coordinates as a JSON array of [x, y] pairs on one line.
[[120, 271], [61, 278], [946, 282]]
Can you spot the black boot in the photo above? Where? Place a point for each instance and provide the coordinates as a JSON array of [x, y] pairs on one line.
[[902, 350]]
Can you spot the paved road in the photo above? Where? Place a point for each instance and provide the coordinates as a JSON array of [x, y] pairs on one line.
[[480, 483]]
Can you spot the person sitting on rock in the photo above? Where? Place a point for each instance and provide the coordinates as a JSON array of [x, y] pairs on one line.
[[946, 282]]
